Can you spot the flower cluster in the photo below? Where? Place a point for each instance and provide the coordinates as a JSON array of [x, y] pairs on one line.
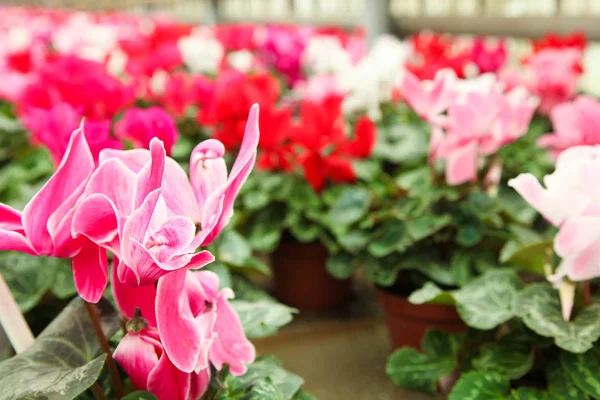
[[469, 118], [141, 206]]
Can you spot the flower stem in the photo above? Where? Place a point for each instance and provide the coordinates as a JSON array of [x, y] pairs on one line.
[[98, 392], [587, 293], [110, 362], [12, 320]]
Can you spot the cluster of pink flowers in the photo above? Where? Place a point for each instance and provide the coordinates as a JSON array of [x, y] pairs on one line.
[[469, 118], [141, 206]]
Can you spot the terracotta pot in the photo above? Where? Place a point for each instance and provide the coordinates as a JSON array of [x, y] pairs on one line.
[[408, 322], [302, 280]]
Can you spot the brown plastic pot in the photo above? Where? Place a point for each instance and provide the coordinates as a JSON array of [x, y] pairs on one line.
[[302, 280], [408, 322]]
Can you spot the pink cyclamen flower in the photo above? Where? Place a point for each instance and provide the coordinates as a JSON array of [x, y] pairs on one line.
[[190, 325], [488, 57], [145, 361], [141, 205], [429, 99], [142, 125], [575, 123], [479, 124], [554, 76], [570, 202], [53, 127], [44, 226]]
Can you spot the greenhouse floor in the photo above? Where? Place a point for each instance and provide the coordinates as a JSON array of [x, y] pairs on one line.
[[340, 354]]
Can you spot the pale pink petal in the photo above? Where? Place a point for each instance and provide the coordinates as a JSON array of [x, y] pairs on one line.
[[129, 298], [178, 193], [529, 188], [207, 169], [138, 358], [576, 234], [134, 159], [175, 235], [461, 165], [230, 345], [585, 265], [90, 272], [71, 174]]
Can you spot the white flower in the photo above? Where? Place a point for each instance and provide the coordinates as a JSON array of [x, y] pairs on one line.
[[325, 54], [201, 54], [241, 60]]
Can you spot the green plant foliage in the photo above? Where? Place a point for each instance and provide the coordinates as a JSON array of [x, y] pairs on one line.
[[539, 307], [509, 357], [30, 278], [63, 361], [480, 386], [583, 370], [413, 370], [350, 206], [487, 301], [139, 395], [264, 380]]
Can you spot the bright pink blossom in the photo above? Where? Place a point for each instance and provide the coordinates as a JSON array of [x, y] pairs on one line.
[[488, 57], [44, 226], [429, 98], [575, 123], [142, 125], [554, 76], [53, 127]]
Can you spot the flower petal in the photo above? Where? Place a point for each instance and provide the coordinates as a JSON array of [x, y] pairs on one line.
[[90, 272]]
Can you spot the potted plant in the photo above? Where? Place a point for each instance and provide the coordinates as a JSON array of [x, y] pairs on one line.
[[312, 182], [533, 324]]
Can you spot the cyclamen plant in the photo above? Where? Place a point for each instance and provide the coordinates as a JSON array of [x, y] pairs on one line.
[[141, 206]]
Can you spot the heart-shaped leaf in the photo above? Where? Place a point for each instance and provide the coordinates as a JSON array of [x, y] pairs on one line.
[[389, 238], [426, 225], [262, 318], [560, 384], [480, 386], [509, 358], [62, 362], [583, 370], [413, 370], [487, 301], [539, 307], [432, 294], [349, 207]]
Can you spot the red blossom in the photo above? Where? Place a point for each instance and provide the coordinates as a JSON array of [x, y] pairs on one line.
[[434, 52]]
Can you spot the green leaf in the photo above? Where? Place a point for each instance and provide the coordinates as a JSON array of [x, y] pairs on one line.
[[366, 170], [526, 393], [266, 228], [62, 362], [461, 266], [509, 358], [28, 277], [480, 386], [560, 384], [413, 370], [353, 241], [262, 318], [342, 265], [583, 371], [430, 293], [222, 271], [63, 285], [427, 225], [528, 256], [140, 395], [401, 143], [264, 380], [487, 301], [470, 230], [302, 395], [539, 307], [303, 197], [233, 248], [255, 200], [349, 207], [388, 238], [303, 229]]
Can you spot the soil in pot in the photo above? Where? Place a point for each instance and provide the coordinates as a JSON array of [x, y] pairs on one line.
[[407, 322], [302, 280]]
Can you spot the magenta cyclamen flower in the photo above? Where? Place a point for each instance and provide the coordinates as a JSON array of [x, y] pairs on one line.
[[140, 205], [575, 123], [44, 226], [193, 327], [142, 125]]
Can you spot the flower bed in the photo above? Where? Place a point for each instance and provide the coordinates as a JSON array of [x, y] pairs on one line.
[[414, 161]]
